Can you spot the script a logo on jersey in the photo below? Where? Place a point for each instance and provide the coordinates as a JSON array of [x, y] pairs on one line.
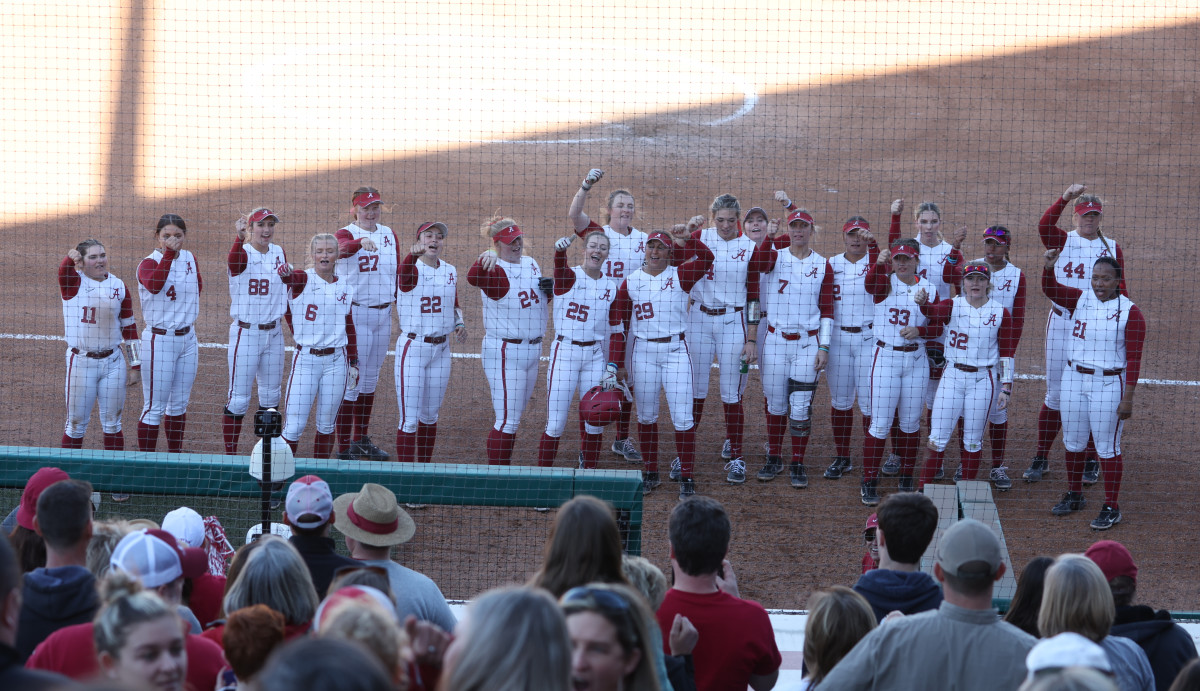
[[607, 295], [387, 242], [1007, 285], [187, 269], [116, 294], [740, 256], [1115, 315], [991, 321], [450, 280], [641, 248], [669, 283], [812, 273], [342, 298]]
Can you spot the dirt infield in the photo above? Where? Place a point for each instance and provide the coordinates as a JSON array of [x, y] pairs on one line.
[[992, 140]]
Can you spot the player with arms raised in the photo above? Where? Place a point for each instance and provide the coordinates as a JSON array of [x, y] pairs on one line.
[[626, 252], [97, 315], [258, 303], [427, 303], [368, 260], [1104, 361], [1078, 251], [651, 305], [514, 319], [582, 298]]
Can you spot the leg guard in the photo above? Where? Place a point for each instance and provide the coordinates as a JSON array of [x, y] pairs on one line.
[[801, 427]]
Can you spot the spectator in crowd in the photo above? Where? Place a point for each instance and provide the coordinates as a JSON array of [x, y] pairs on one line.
[[1066, 650], [1077, 599], [870, 558], [369, 620], [737, 644], [274, 574], [611, 648], [62, 593], [1072, 679], [1027, 601], [311, 664], [13, 674], [1167, 645], [251, 633], [1189, 678], [364, 574], [138, 639], [30, 547], [941, 649], [203, 593], [679, 671], [154, 559], [907, 522], [838, 618], [373, 522], [235, 568], [511, 639], [584, 547], [309, 513]]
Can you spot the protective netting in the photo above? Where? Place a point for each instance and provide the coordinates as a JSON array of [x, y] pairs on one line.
[[114, 114]]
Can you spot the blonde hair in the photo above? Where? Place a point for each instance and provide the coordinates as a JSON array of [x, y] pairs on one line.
[[371, 628], [126, 605], [105, 536], [494, 225], [646, 578], [612, 196], [1076, 598], [726, 201], [816, 229], [929, 206], [838, 618], [600, 233], [319, 237]]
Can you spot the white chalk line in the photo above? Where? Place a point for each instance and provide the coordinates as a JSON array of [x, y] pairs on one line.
[[476, 356]]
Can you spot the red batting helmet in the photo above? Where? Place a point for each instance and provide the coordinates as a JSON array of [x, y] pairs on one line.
[[598, 407]]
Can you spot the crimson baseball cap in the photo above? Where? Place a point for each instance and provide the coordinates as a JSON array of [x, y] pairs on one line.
[[367, 198], [309, 496], [904, 250], [262, 215], [977, 269], [800, 216], [1113, 559], [509, 234], [37, 483], [661, 236], [433, 225], [998, 234], [757, 210], [872, 522], [854, 225], [1084, 208]]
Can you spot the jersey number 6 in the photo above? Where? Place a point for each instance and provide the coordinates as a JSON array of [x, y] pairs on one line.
[[310, 314]]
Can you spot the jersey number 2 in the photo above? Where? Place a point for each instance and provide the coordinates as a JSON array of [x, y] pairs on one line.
[[577, 311], [1080, 330], [431, 305], [958, 340], [528, 298]]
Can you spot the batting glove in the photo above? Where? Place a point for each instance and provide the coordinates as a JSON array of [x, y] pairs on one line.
[[564, 243], [592, 178], [351, 377], [609, 380]]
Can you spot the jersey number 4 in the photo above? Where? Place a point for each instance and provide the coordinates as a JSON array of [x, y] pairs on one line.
[[171, 293], [431, 305], [577, 311], [258, 286], [528, 298], [1074, 271], [958, 340], [899, 317]]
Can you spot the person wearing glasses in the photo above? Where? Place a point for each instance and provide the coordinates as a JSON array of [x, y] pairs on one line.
[[611, 647]]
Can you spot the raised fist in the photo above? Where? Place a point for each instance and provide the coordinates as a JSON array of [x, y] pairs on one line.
[[897, 207], [418, 249], [592, 178], [885, 256], [1051, 257], [564, 242], [74, 255], [960, 234], [695, 223], [920, 296], [782, 198], [1073, 191], [369, 245], [240, 226]]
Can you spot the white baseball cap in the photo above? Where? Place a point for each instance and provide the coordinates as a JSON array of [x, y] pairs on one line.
[[309, 496], [276, 529], [186, 525]]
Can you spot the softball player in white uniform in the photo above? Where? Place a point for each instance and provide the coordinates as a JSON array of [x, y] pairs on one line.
[[97, 315], [427, 303], [651, 305], [981, 340], [514, 317], [582, 298], [899, 371], [1008, 289], [626, 253], [1078, 251], [1104, 361], [169, 286], [258, 302], [323, 366], [717, 320], [795, 343], [368, 260]]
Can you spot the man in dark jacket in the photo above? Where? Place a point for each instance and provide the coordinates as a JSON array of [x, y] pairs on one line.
[[907, 522], [13, 674], [64, 592], [309, 511], [1168, 646]]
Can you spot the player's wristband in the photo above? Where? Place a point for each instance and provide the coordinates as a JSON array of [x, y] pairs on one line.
[[824, 348], [951, 260], [353, 362], [131, 352], [460, 325]]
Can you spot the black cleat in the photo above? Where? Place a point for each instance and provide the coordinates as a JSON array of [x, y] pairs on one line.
[[364, 450], [1037, 468], [869, 491], [907, 484], [687, 488], [650, 482], [1070, 503], [840, 466], [773, 467], [799, 476], [1109, 516], [1091, 475]]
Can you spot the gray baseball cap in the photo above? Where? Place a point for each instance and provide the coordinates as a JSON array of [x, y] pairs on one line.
[[969, 541]]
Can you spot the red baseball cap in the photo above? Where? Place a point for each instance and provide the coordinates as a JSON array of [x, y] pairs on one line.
[[800, 216], [757, 210], [977, 269], [855, 225], [872, 522], [509, 234], [367, 198], [1113, 559], [192, 560], [661, 236], [904, 250], [1084, 208], [38, 482], [431, 226], [262, 215], [997, 233]]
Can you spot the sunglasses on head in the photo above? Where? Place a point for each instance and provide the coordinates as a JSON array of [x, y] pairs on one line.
[[595, 598]]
